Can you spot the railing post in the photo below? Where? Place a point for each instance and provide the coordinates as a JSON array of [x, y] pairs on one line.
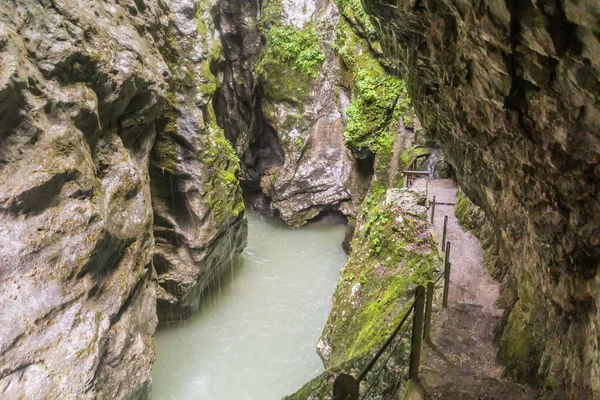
[[417, 334], [428, 191], [428, 312], [444, 233], [432, 209], [447, 266], [345, 387]]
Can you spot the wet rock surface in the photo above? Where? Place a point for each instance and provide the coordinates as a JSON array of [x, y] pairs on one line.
[[112, 169], [509, 89], [286, 88], [199, 222], [78, 108]]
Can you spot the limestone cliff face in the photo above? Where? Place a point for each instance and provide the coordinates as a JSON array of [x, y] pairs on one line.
[[199, 221], [510, 90], [81, 85], [304, 105], [292, 70], [85, 89]]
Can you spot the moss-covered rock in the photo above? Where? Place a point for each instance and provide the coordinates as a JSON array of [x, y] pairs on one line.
[[378, 99], [393, 252], [197, 199], [517, 131], [292, 55], [468, 214]]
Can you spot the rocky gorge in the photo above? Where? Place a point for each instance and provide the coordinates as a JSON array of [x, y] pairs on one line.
[[134, 133], [510, 90]]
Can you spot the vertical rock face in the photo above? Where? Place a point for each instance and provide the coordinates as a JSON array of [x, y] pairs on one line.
[[199, 221], [291, 71], [303, 103], [510, 90], [81, 85], [108, 141]]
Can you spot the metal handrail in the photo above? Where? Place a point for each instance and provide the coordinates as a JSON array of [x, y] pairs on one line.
[[422, 310], [388, 359], [370, 365]]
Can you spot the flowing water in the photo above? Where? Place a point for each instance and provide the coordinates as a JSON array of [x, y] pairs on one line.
[[254, 338]]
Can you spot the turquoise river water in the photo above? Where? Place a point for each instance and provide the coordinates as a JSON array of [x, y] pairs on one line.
[[254, 337]]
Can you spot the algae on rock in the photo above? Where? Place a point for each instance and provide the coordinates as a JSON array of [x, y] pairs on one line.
[[393, 252], [198, 206]]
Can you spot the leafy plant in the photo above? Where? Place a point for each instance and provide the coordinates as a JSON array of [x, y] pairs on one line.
[[297, 47], [292, 57], [379, 100]]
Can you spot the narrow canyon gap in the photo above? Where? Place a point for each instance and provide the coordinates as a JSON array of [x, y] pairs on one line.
[[135, 133]]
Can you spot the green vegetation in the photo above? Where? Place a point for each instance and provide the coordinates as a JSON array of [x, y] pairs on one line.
[[520, 346], [392, 251], [297, 47], [392, 254], [221, 191], [379, 100], [165, 150], [353, 11], [469, 215], [292, 57]]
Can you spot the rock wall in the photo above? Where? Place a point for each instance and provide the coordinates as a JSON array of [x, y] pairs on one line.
[[510, 90], [112, 169], [81, 86], [199, 221], [297, 79], [393, 252]]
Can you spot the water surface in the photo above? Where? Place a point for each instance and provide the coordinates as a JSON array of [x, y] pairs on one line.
[[254, 338]]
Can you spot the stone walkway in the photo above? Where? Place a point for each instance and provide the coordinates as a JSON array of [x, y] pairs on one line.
[[462, 363]]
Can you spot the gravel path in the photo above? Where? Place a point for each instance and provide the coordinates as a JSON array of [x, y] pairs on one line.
[[461, 363]]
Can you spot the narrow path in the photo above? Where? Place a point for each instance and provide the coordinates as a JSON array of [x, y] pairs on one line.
[[462, 364]]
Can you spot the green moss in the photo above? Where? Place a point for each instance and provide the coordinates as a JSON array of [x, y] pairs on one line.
[[299, 48], [222, 192], [292, 56], [164, 153], [291, 120], [520, 349], [321, 386], [379, 99], [165, 150], [209, 84], [200, 23], [468, 214], [392, 254], [353, 11], [95, 56], [409, 121]]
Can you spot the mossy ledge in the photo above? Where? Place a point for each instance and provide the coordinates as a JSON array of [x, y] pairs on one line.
[[393, 253]]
